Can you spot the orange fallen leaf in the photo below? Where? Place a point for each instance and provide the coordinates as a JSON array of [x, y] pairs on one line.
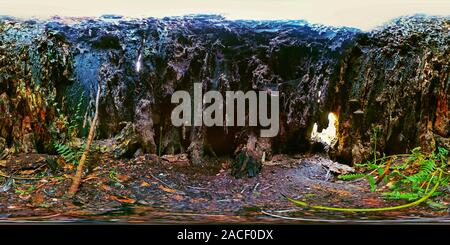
[[89, 177], [106, 188], [38, 198], [122, 177], [198, 200], [145, 184], [166, 189], [178, 197], [123, 199], [27, 172], [24, 197]]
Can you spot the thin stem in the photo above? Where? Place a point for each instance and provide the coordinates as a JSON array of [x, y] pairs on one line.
[[375, 145], [160, 140], [79, 174]]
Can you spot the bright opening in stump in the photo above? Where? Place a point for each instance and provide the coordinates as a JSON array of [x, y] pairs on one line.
[[328, 135], [138, 64]]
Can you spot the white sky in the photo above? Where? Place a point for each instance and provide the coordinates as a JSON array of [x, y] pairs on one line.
[[364, 14]]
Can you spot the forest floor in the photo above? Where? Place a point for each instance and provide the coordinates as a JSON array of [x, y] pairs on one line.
[[149, 189]]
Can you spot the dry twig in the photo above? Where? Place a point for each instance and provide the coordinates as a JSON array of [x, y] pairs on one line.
[[78, 175]]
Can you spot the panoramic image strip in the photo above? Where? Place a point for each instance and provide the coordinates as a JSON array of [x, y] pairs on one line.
[[224, 112]]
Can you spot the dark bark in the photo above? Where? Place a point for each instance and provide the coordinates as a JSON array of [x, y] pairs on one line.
[[394, 79]]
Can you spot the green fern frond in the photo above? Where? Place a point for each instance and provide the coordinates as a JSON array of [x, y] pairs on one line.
[[416, 152], [361, 165], [69, 154], [78, 108], [404, 184], [372, 183], [76, 120], [436, 205], [402, 166], [428, 166], [351, 176], [396, 195], [442, 151]]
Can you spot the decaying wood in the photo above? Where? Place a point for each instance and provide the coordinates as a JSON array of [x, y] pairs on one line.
[[394, 79]]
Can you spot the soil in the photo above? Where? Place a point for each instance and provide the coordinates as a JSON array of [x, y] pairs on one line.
[[150, 189]]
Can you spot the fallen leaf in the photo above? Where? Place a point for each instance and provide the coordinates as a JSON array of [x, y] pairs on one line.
[[198, 200], [123, 199], [89, 177], [166, 189], [106, 187], [178, 197], [38, 198], [68, 176], [122, 177], [145, 184], [3, 163], [24, 197], [27, 172]]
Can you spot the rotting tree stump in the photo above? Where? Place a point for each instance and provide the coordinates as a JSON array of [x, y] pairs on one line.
[[393, 80]]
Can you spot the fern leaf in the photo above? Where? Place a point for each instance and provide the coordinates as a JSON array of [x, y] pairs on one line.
[[351, 176], [66, 152], [396, 195], [372, 183]]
